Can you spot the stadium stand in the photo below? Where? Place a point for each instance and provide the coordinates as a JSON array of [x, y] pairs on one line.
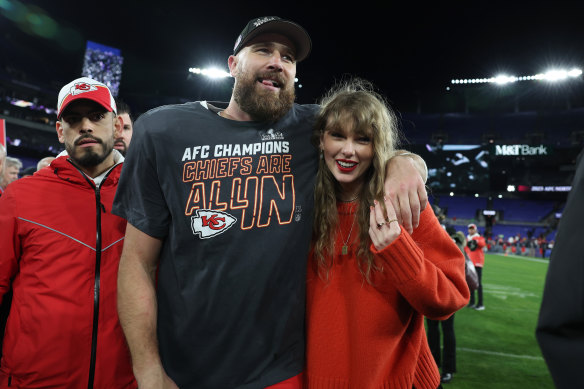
[[559, 128], [460, 207]]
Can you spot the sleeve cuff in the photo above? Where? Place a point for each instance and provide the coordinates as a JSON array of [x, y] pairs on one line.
[[402, 258]]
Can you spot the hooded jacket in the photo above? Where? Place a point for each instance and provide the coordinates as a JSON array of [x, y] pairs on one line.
[[60, 249]]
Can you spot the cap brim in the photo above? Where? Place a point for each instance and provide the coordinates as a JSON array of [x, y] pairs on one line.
[[101, 103], [296, 33], [101, 100]]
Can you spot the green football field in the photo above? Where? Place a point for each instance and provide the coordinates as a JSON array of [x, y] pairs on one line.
[[496, 348]]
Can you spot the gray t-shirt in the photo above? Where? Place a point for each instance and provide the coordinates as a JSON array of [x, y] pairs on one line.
[[233, 204]]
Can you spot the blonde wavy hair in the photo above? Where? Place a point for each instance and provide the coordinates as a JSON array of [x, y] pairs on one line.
[[352, 101]]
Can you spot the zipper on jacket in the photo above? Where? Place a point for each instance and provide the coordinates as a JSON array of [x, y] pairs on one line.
[[96, 289], [97, 278]]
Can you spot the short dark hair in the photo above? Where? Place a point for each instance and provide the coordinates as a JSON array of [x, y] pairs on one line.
[[123, 107]]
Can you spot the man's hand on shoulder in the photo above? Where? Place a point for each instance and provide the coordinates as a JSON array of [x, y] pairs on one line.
[[405, 187]]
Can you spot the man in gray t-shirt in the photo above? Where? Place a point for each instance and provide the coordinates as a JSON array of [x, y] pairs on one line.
[[219, 199]]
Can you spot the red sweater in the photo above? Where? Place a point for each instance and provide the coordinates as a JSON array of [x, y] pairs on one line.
[[363, 336]]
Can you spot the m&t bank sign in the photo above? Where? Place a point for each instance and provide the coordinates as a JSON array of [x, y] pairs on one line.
[[521, 150]]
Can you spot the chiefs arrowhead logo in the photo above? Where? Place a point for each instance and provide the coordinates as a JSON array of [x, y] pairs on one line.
[[82, 87], [208, 223]]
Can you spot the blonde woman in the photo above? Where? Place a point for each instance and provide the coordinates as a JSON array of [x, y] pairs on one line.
[[369, 282]]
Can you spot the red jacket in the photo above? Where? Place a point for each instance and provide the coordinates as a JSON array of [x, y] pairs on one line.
[[477, 256], [363, 336], [60, 246]]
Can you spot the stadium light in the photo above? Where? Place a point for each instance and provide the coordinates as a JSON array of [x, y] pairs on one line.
[[554, 75], [22, 103], [213, 73]]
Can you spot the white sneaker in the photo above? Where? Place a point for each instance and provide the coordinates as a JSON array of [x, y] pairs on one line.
[[480, 308]]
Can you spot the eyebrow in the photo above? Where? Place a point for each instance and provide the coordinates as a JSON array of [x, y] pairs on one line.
[[272, 44]]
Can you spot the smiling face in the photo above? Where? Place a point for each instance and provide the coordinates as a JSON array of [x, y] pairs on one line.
[[88, 131], [348, 154], [264, 74]]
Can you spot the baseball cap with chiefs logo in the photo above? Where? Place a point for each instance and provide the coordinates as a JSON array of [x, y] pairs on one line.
[[85, 88], [277, 25]]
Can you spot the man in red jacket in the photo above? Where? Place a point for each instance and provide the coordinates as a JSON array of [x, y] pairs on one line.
[[60, 252], [475, 245]]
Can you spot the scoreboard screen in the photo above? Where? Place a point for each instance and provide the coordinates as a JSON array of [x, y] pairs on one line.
[[104, 64]]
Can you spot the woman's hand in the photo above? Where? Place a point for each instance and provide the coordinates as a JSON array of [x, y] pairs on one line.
[[383, 229]]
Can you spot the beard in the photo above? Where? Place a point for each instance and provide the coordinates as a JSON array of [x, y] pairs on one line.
[[88, 157], [122, 147], [263, 105]]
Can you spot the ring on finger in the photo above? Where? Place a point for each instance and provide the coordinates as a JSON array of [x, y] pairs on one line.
[[379, 225], [391, 221]]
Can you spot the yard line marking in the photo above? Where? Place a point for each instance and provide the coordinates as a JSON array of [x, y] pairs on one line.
[[507, 290], [470, 350], [524, 258], [511, 293]]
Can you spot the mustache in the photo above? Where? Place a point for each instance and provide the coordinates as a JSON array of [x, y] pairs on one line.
[[85, 137], [273, 75]]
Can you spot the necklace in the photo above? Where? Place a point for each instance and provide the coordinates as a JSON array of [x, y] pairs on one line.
[[349, 201], [345, 248]]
